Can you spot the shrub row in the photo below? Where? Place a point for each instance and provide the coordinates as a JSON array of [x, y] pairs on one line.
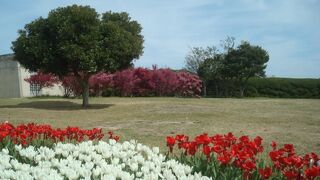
[[270, 87], [166, 82], [156, 82], [284, 88], [130, 82]]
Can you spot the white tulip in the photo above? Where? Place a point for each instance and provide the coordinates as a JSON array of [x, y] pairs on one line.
[[104, 160]]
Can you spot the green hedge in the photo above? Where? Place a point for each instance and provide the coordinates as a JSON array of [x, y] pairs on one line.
[[276, 87], [284, 87]]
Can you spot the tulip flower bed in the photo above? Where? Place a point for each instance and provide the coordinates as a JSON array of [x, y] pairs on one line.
[[230, 157], [33, 151], [45, 135], [88, 160]]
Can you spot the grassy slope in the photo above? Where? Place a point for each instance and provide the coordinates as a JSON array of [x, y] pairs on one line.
[[150, 120]]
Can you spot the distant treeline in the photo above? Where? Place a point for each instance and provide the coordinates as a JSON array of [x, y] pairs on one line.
[[268, 87]]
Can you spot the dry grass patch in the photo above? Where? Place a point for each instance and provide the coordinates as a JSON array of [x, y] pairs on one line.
[[150, 120]]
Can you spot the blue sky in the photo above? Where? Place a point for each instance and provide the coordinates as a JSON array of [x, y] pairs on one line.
[[288, 29]]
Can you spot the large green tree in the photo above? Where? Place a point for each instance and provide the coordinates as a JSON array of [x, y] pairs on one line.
[[76, 39], [209, 70], [206, 62], [244, 62], [197, 55]]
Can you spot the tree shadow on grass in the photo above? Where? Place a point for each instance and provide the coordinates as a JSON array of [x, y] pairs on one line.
[[56, 105]]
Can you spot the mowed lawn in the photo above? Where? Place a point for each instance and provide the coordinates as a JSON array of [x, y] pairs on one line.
[[150, 120]]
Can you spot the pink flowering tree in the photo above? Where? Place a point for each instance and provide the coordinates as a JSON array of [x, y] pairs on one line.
[[99, 82], [134, 82], [41, 80], [156, 82], [71, 85], [138, 82], [143, 84], [165, 81], [189, 85], [124, 82]]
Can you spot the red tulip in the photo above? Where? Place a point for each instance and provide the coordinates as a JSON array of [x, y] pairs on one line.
[[248, 166], [170, 142], [291, 174], [274, 145], [313, 172], [224, 158], [206, 151], [265, 173]]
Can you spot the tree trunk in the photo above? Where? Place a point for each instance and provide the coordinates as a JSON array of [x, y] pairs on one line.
[[241, 90], [242, 86], [216, 88], [226, 85], [204, 88], [85, 93]]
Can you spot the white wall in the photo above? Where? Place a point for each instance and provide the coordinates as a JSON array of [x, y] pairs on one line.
[[24, 85], [56, 90], [12, 83], [9, 78]]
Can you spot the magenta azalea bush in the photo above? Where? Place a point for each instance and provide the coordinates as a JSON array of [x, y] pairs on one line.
[[157, 82], [131, 82]]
